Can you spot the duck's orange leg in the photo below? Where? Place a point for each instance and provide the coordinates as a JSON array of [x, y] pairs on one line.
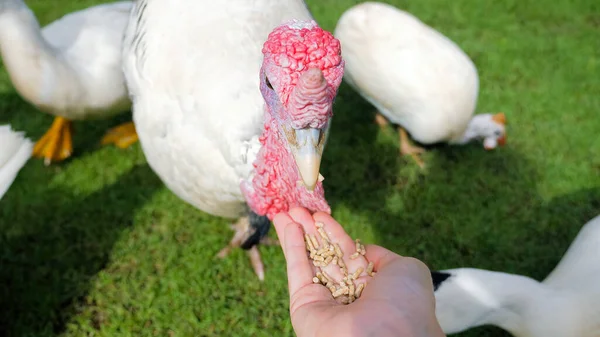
[[56, 144], [122, 136]]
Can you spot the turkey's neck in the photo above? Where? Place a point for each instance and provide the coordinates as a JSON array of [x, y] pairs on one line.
[[35, 69], [275, 185]]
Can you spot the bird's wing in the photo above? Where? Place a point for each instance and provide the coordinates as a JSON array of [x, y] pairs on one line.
[[84, 28], [90, 41], [209, 64], [15, 150]]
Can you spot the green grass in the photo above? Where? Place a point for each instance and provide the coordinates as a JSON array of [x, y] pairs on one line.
[[97, 246]]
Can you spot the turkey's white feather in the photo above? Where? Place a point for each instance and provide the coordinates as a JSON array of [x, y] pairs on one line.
[[15, 150], [72, 67], [192, 68]]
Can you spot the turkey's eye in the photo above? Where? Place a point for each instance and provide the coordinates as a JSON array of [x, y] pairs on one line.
[[498, 133], [268, 83]]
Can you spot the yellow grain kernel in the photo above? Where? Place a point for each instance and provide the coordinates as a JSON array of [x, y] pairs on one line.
[[338, 250], [329, 253], [359, 290], [357, 273], [339, 292], [309, 245], [327, 277], [324, 235], [314, 241], [370, 268]]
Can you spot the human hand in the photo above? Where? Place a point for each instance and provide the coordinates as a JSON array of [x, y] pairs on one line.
[[398, 301]]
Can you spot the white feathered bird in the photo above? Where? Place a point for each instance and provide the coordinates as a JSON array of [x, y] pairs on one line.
[[71, 69], [194, 71], [564, 304], [15, 150], [415, 77]]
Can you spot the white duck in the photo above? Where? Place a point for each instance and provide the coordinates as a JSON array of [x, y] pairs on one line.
[[15, 150], [194, 70], [564, 304], [415, 77], [71, 69]]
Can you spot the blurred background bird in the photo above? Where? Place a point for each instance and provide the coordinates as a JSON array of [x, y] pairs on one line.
[[15, 150], [70, 69], [563, 304], [416, 78]]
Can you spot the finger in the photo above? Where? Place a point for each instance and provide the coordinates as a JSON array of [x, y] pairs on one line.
[[302, 216], [338, 235], [279, 222], [299, 269], [380, 256]]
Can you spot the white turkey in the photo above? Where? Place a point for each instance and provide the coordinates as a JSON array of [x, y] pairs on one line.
[[563, 304], [71, 69], [232, 101], [415, 77], [15, 150]]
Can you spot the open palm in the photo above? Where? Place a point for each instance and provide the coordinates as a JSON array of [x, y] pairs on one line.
[[397, 301]]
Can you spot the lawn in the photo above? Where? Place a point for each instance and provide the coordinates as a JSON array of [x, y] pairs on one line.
[[97, 246]]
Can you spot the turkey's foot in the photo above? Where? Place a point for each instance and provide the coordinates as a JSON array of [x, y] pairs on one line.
[[122, 136], [247, 236], [406, 148], [56, 144]]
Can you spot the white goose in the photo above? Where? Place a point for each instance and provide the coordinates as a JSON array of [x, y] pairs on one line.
[[415, 77], [194, 71], [15, 150], [71, 69], [564, 304]]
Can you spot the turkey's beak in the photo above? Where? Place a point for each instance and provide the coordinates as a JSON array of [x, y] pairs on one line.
[[307, 151]]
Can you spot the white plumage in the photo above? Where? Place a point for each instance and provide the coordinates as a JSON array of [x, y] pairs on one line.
[[15, 150], [71, 68], [194, 69], [564, 304], [415, 76]]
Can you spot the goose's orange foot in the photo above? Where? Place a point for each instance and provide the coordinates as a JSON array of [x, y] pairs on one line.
[[56, 144], [122, 136]]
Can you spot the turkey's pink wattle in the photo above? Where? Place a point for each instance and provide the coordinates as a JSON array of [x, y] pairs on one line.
[[275, 185]]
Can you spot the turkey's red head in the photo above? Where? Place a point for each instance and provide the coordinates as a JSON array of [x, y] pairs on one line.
[[301, 72]]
